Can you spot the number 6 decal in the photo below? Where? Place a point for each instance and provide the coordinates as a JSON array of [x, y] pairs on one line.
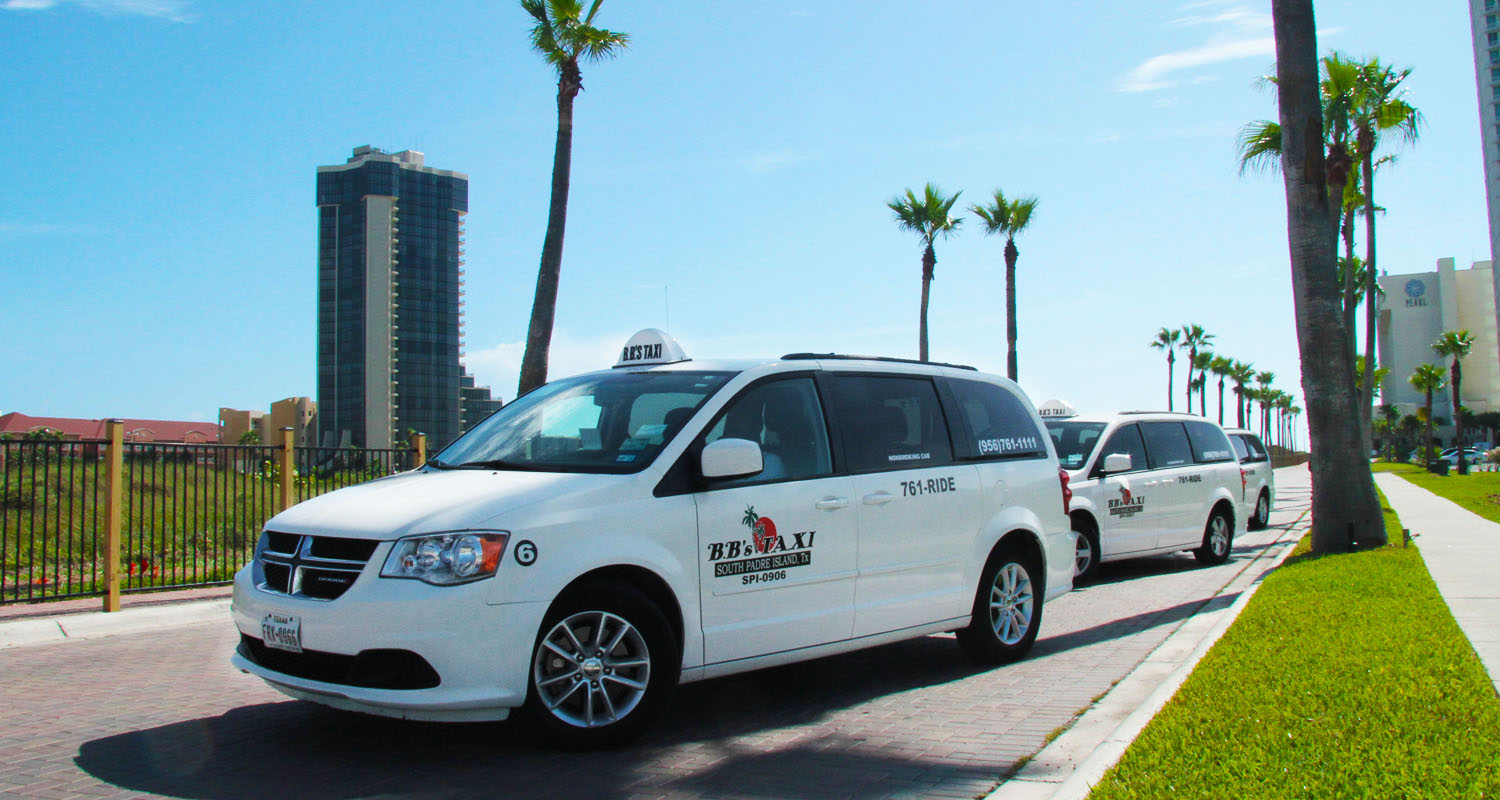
[[526, 553]]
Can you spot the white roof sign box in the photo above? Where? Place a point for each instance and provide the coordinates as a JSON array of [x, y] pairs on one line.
[[1056, 408], [650, 346]]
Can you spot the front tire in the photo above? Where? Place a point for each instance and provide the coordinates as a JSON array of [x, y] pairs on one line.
[[1217, 537], [604, 665], [1007, 608], [1085, 553]]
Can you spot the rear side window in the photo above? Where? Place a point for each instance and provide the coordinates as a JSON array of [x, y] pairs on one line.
[[1252, 443], [1166, 444], [1210, 445], [1240, 450], [891, 423], [1000, 425]]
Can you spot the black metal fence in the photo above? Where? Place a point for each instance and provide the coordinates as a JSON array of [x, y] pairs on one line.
[[189, 513]]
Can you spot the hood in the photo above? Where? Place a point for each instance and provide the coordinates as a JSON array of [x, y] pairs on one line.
[[433, 500]]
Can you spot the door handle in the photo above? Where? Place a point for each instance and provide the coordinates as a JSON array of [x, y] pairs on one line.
[[879, 498], [831, 503]]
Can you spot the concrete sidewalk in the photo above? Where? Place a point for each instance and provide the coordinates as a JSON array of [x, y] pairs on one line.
[[1461, 549]]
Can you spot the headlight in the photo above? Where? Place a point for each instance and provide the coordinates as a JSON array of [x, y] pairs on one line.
[[444, 559]]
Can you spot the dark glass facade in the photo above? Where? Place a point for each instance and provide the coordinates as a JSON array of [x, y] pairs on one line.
[[418, 342]]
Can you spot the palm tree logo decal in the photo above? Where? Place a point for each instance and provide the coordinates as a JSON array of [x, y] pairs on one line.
[[1125, 496], [762, 528]]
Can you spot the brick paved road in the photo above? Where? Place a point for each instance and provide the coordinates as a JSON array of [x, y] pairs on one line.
[[163, 714]]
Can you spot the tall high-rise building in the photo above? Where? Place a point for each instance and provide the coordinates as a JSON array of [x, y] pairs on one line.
[[390, 300], [1484, 16]]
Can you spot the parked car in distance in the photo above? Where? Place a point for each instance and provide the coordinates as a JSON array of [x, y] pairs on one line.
[[1471, 456], [607, 536], [1147, 483], [1260, 478]]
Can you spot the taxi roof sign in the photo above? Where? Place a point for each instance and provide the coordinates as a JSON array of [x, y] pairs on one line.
[[1056, 408], [650, 346]]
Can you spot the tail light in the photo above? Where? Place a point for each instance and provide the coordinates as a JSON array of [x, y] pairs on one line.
[[1067, 493], [1244, 482]]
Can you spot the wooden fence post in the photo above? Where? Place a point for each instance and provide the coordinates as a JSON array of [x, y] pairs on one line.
[[419, 445], [286, 465], [114, 466]]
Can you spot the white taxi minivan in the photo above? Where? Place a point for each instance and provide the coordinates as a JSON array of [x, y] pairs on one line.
[[607, 536], [1148, 483]]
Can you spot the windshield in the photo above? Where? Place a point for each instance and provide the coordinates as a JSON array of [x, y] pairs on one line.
[[609, 422], [1074, 441]]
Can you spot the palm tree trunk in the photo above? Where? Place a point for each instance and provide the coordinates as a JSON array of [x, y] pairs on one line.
[[1011, 253], [1170, 359], [929, 263], [1367, 390], [1192, 356], [1221, 402], [1458, 419], [544, 303], [1427, 454], [1345, 511]]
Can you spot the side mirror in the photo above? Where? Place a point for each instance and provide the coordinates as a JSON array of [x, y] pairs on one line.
[[1117, 462], [731, 458]]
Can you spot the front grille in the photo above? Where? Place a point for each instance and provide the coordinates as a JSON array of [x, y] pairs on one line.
[[371, 669], [319, 567]]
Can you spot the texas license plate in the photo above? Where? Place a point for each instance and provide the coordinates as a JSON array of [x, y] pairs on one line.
[[282, 631]]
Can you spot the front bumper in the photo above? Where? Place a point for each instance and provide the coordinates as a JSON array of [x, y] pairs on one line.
[[480, 653]]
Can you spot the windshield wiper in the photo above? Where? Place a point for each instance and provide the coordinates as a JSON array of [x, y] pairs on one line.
[[436, 464], [500, 463]]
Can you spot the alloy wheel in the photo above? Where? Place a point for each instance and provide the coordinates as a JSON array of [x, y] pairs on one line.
[[1012, 604], [592, 669]]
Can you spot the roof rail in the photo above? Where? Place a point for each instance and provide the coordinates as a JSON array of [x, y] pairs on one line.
[[846, 357], [1178, 413]]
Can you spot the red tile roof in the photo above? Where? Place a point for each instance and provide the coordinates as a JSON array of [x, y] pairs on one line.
[[141, 430]]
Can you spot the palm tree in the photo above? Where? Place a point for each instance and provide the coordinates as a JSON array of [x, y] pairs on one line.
[[1264, 395], [928, 217], [1201, 362], [1008, 218], [1456, 345], [1379, 108], [563, 34], [1166, 339], [1428, 378], [1390, 414], [1193, 337], [1241, 373], [1221, 366], [1345, 510]]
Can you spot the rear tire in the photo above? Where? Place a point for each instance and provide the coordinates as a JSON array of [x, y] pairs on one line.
[[603, 667], [1218, 535], [1262, 516], [1007, 607]]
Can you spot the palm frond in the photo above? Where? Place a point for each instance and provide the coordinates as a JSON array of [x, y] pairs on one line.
[[1260, 147]]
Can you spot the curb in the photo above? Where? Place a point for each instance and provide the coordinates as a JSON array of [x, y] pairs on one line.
[[1072, 765], [94, 624]]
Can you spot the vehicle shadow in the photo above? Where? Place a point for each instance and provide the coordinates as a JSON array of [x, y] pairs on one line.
[[299, 749]]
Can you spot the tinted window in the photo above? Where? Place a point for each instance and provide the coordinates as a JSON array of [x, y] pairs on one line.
[[786, 420], [1210, 445], [1126, 440], [1074, 441], [1240, 450], [1000, 425], [1257, 450], [1166, 444], [891, 423]]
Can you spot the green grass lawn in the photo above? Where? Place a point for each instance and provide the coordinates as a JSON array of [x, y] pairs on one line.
[[1479, 492], [1345, 677]]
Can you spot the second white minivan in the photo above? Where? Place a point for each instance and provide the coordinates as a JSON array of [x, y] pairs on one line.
[[1148, 483]]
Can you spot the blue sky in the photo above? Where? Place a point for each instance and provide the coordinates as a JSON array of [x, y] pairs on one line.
[[731, 171]]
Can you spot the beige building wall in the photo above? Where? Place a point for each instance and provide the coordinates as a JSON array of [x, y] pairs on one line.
[[1416, 310], [297, 413], [233, 423]]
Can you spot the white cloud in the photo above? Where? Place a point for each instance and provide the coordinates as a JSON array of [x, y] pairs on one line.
[[499, 366], [1236, 33], [174, 10]]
